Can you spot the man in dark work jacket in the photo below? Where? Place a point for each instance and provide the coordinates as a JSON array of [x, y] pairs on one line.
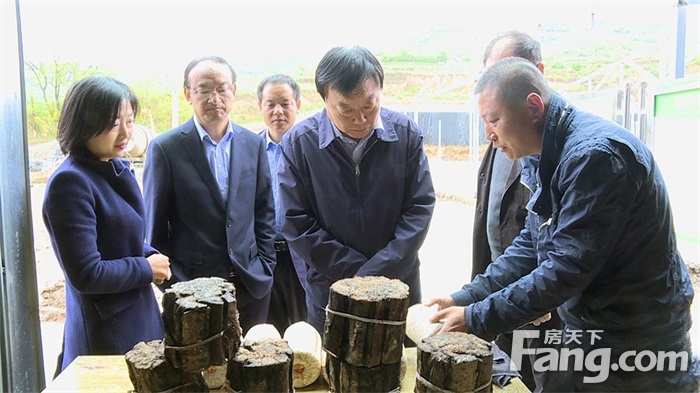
[[500, 205]]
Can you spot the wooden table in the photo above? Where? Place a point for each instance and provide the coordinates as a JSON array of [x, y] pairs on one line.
[[107, 374]]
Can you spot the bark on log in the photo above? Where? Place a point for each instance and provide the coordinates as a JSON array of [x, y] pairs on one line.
[[344, 377], [262, 366], [453, 361], [201, 324], [373, 329], [150, 372]]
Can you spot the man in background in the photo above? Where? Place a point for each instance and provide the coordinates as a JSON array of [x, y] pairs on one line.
[[279, 101], [500, 203], [355, 185], [208, 196]]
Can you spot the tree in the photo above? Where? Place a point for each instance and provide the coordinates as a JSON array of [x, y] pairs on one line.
[[52, 80]]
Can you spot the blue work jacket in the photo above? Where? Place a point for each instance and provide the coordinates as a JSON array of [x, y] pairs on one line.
[[598, 244], [366, 219]]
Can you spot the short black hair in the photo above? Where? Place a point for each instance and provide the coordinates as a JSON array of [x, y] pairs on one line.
[[279, 79], [512, 79], [213, 59], [345, 68], [520, 44], [90, 108]]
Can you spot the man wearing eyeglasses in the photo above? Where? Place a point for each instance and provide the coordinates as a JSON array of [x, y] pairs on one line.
[[208, 194]]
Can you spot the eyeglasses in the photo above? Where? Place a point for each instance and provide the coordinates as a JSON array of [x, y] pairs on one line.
[[206, 93]]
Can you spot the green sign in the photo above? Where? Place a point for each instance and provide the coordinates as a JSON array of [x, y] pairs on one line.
[[683, 104]]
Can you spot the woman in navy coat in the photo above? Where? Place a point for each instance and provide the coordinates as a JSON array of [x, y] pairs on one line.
[[94, 213]]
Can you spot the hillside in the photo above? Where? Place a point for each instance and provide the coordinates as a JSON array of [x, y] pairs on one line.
[[435, 68]]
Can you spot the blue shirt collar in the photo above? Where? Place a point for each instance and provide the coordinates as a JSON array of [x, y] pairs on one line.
[[268, 140], [328, 132], [378, 128], [203, 135]]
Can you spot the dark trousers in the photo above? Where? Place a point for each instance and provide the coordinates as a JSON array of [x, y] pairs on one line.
[[251, 311], [316, 316], [536, 381], [288, 300]]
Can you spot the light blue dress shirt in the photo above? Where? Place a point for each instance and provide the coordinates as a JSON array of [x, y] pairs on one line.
[[218, 155], [274, 152]]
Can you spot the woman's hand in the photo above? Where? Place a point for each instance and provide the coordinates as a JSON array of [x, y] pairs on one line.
[[160, 264]]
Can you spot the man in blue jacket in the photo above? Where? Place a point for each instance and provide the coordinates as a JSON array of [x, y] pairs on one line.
[[354, 183], [500, 211], [598, 245]]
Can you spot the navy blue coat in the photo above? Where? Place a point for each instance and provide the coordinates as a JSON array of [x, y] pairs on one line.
[[94, 213], [598, 243], [344, 219], [188, 219]]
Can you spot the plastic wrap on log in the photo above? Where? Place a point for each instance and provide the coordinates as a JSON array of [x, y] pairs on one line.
[[150, 372], [201, 323], [262, 366], [261, 331], [377, 336], [305, 341], [455, 362]]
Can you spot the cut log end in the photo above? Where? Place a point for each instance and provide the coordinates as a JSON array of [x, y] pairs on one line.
[[366, 320], [262, 366], [146, 356], [458, 346], [264, 352], [454, 361], [200, 318], [149, 371], [372, 288]]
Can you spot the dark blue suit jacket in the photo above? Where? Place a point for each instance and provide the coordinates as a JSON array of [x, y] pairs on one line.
[[188, 220], [94, 213]]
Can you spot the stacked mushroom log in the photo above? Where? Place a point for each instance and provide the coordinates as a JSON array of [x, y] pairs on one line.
[[262, 365], [364, 332], [453, 362], [202, 330]]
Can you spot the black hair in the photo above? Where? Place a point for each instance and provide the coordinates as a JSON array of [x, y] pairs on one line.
[[213, 59], [512, 79], [90, 108], [279, 79], [345, 68]]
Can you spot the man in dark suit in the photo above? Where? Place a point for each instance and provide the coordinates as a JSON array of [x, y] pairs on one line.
[[208, 194]]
